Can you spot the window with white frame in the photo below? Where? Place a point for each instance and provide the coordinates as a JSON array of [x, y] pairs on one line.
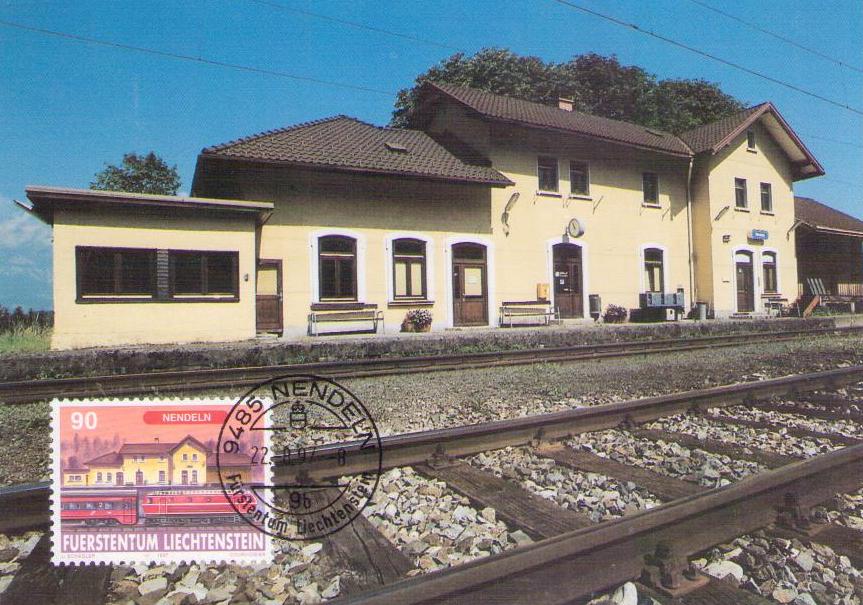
[[740, 200], [409, 269], [546, 172], [579, 178], [654, 270], [768, 266], [766, 197], [337, 268], [650, 187]]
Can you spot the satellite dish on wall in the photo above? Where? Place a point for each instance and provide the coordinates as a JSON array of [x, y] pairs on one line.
[[575, 228]]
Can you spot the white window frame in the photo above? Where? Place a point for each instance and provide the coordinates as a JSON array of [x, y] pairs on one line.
[[360, 239], [549, 260], [665, 266], [764, 252], [658, 201], [539, 189], [761, 197], [745, 193], [587, 170], [493, 319], [429, 265]]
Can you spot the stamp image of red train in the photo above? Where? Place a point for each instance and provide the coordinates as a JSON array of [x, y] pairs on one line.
[[112, 506]]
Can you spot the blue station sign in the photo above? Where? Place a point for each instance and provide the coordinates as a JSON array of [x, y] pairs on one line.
[[758, 235]]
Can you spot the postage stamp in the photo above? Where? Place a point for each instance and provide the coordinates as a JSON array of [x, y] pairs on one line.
[[136, 481], [326, 449]]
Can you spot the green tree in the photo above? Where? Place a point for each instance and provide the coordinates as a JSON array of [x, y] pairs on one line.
[[597, 84], [139, 174]]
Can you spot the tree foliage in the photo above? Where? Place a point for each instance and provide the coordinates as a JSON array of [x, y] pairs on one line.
[[597, 84], [139, 174]]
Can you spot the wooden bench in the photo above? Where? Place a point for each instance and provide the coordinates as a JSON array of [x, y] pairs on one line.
[[818, 290], [539, 309], [363, 315]]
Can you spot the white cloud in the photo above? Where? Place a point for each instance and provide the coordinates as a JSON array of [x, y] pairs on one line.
[[24, 231]]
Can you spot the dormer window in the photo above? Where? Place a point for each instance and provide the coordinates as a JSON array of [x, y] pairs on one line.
[[750, 140]]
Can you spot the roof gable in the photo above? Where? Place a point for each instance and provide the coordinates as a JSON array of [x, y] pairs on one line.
[[715, 136], [347, 144], [509, 109]]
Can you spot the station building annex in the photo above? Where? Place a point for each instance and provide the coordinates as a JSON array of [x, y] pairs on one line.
[[490, 200]]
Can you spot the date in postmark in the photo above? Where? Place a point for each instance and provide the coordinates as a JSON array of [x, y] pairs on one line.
[[325, 449], [135, 481]]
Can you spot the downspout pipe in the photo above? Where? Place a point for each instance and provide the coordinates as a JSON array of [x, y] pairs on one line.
[[692, 292]]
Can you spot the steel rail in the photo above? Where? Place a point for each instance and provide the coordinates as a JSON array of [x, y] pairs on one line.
[[23, 507], [26, 391], [577, 564]]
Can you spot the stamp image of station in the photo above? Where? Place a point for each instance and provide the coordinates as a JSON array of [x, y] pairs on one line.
[[147, 468]]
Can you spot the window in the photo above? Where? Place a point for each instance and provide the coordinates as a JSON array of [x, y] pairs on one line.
[[109, 477], [139, 478], [194, 456], [546, 171], [184, 477], [119, 478], [194, 477], [750, 140], [654, 277], [740, 200], [650, 186], [409, 269], [337, 267], [768, 264], [766, 197], [115, 272], [579, 178], [185, 457], [161, 476], [98, 477], [204, 273]]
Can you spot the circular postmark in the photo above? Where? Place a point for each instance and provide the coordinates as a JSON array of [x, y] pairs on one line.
[[299, 457]]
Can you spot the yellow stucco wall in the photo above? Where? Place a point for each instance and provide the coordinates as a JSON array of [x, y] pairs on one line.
[[75, 478], [770, 165], [195, 460], [96, 472], [95, 324], [150, 466], [618, 225], [374, 211]]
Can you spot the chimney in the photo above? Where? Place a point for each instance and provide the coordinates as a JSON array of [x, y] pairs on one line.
[[565, 104], [156, 439]]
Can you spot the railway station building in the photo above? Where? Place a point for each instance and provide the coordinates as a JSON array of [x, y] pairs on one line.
[[490, 203]]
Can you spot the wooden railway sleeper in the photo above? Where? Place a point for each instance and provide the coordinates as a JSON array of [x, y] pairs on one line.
[[671, 574]]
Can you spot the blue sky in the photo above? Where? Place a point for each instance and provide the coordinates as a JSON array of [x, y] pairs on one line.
[[67, 107]]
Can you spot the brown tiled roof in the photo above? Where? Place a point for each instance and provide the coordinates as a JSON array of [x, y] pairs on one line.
[[112, 459], [146, 448], [821, 216], [228, 460], [345, 143], [708, 136], [509, 109]]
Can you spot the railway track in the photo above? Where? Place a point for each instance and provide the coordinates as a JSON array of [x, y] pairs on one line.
[[571, 558], [25, 391]]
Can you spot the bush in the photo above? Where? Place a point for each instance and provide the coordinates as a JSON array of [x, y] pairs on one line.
[[614, 314], [417, 320]]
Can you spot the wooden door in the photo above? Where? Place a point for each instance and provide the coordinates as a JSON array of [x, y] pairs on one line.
[[268, 296], [568, 296], [469, 285], [745, 284]]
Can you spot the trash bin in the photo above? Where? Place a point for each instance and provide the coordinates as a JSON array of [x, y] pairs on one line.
[[595, 303], [702, 311]]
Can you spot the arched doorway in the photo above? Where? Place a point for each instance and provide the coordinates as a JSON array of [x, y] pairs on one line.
[[469, 285], [744, 278], [568, 280]]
